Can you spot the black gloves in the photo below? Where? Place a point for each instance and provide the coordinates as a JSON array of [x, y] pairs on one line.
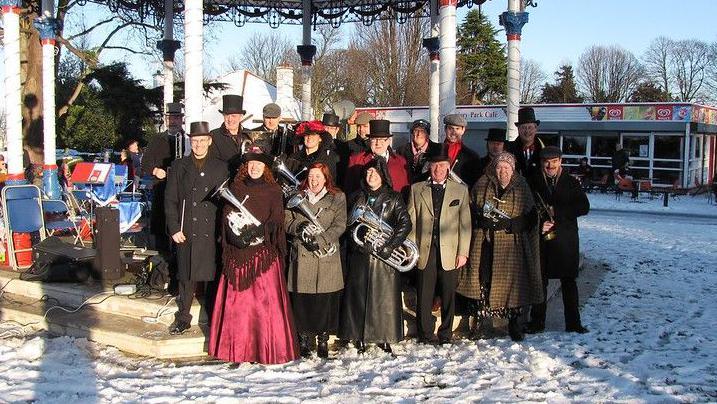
[[384, 252], [301, 227], [246, 237], [310, 243], [490, 224]]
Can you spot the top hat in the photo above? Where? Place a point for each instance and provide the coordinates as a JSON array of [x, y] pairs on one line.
[[255, 153], [442, 155], [232, 104], [198, 129], [271, 111], [173, 108], [331, 119], [379, 128], [496, 135], [526, 115]]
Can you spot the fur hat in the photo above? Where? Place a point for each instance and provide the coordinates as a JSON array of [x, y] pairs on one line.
[[505, 157]]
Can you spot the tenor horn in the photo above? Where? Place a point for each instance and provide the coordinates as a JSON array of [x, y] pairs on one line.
[[314, 228], [238, 220], [371, 229], [292, 187]]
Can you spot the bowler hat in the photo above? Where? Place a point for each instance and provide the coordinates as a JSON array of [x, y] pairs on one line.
[[198, 129], [271, 111], [551, 152], [363, 118], [173, 108], [255, 153], [455, 120], [496, 135], [331, 119], [232, 104], [379, 128], [526, 115], [421, 123]]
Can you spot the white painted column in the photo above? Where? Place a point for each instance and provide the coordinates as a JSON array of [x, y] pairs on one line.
[[47, 26], [193, 59], [447, 87], [513, 21], [13, 90], [434, 81]]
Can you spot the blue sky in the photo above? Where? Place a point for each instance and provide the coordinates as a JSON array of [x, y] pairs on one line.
[[558, 31]]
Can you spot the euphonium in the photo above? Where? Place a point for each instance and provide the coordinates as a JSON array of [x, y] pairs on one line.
[[314, 228], [292, 187], [240, 219], [371, 229]]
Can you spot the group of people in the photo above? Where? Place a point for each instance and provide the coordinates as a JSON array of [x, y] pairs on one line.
[[315, 236]]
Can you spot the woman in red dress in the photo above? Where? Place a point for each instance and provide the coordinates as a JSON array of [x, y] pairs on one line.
[[252, 319]]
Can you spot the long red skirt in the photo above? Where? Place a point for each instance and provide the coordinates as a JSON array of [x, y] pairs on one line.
[[254, 324]]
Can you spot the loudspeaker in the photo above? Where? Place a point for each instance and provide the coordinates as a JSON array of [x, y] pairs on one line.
[[107, 264], [57, 261]]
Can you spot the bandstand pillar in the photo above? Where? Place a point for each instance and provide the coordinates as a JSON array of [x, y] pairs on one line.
[[447, 54], [433, 47], [306, 52], [513, 21], [12, 90], [193, 59], [168, 46]]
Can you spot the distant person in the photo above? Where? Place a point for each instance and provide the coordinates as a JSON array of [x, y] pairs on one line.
[[620, 163], [584, 172], [495, 142]]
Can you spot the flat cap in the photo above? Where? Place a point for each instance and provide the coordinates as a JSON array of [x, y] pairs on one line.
[[271, 111], [551, 152], [455, 120], [363, 118]]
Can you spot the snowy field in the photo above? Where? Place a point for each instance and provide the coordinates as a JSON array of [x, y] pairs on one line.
[[649, 301]]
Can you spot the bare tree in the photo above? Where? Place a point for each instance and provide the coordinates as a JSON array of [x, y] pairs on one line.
[[532, 78], [262, 53], [657, 61], [389, 58], [712, 75], [690, 64], [608, 74]]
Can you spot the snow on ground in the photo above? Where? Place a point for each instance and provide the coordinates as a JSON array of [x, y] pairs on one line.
[[651, 312], [702, 204]]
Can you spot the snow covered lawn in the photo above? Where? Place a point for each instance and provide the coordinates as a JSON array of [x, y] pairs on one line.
[[651, 312]]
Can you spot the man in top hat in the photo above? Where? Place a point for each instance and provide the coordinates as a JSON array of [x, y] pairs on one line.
[[161, 151], [192, 215], [495, 143], [464, 161], [379, 137], [228, 138], [440, 214], [527, 146], [332, 125], [359, 144], [418, 149], [561, 200]]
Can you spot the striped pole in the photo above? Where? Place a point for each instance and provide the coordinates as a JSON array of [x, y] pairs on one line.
[[513, 21]]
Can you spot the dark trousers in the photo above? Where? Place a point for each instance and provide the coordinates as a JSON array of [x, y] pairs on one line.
[[185, 296], [569, 290], [431, 280]]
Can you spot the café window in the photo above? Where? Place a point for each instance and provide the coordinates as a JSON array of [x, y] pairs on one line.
[[668, 147], [575, 145], [637, 145], [603, 145], [550, 139]]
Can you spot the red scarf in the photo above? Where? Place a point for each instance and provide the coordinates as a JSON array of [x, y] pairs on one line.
[[453, 150]]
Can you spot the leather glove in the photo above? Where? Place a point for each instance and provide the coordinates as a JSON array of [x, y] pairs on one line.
[[301, 227], [484, 223], [310, 244], [384, 252], [502, 224]]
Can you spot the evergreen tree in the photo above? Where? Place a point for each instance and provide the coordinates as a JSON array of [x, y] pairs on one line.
[[564, 90], [482, 68], [648, 91]]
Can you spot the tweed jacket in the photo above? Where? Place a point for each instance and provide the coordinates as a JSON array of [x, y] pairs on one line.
[[455, 222], [516, 278], [308, 273]]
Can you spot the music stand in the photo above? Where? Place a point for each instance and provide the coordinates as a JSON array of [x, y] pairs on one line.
[[92, 174]]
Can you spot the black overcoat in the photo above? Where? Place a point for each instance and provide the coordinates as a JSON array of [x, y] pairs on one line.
[[529, 167], [159, 153], [560, 257], [372, 309], [192, 188], [300, 160], [467, 165], [227, 148], [416, 172]]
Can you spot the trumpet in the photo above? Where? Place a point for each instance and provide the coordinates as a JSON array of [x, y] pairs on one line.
[[314, 228], [238, 220], [492, 212], [544, 212], [292, 187], [371, 229]]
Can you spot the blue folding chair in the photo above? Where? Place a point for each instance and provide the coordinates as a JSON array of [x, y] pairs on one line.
[[22, 212], [58, 217]]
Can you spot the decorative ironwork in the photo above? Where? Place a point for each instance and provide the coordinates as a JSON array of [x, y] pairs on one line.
[[278, 12]]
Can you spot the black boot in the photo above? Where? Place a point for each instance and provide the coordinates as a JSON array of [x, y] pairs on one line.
[[304, 345], [577, 328], [385, 346], [179, 327], [360, 346], [514, 329], [322, 346], [534, 327]]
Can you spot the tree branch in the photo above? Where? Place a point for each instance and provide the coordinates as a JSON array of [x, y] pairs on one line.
[[136, 52], [90, 29]]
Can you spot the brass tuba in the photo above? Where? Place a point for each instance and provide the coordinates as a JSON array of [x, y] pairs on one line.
[[240, 219], [314, 228], [371, 229]]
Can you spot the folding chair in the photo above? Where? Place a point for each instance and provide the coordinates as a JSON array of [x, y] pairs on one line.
[[22, 212], [58, 217]]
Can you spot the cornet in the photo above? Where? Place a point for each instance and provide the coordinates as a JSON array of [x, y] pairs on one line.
[[371, 229], [544, 212], [314, 228], [492, 212], [238, 220]]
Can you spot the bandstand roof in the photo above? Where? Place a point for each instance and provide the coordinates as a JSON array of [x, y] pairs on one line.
[[277, 12]]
